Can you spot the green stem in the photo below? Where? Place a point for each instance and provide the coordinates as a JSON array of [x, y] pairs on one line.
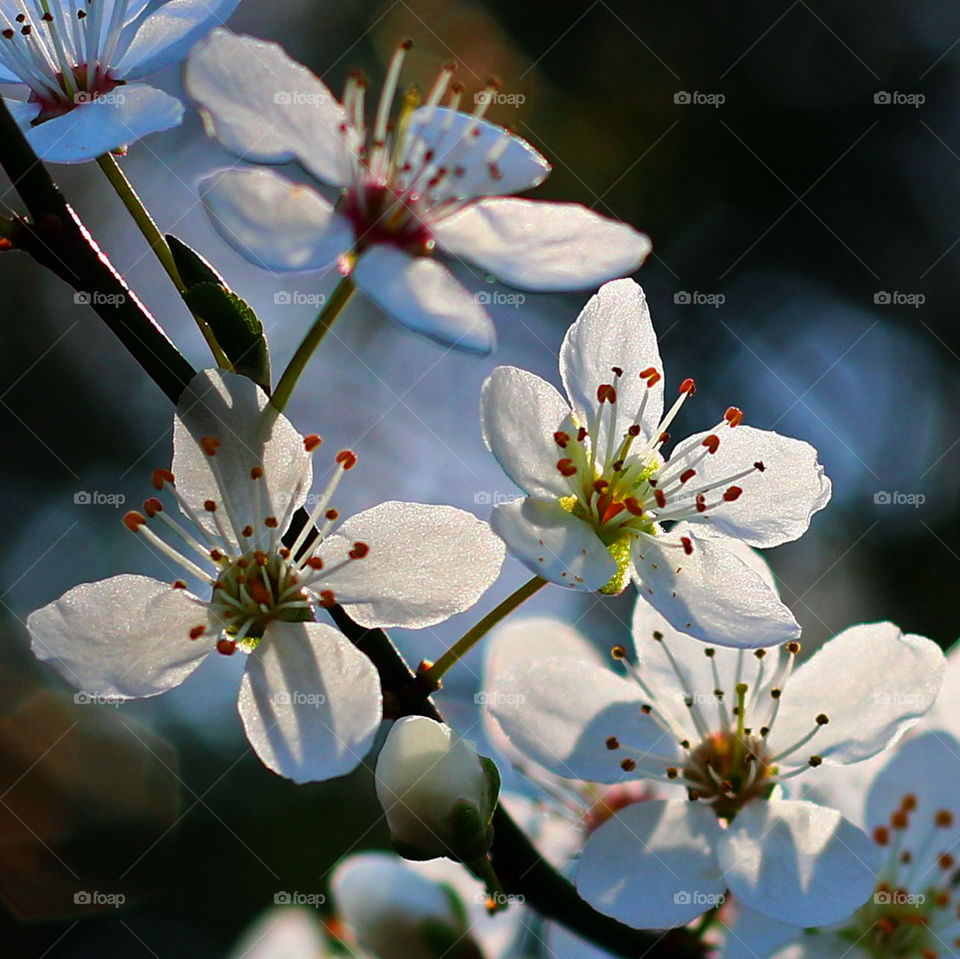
[[432, 675], [331, 310], [151, 233], [706, 921]]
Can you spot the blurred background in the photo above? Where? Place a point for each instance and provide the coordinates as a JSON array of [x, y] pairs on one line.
[[797, 166]]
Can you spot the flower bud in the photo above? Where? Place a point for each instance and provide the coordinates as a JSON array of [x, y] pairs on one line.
[[437, 793]]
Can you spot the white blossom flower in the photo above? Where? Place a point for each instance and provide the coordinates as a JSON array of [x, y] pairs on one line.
[[77, 65], [309, 700], [285, 932], [435, 179], [437, 793], [911, 808], [599, 491], [728, 727]]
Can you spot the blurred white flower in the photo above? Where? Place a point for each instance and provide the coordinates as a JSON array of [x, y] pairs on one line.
[[288, 932], [728, 727], [911, 808], [77, 63], [432, 179], [309, 700], [437, 793], [599, 490]]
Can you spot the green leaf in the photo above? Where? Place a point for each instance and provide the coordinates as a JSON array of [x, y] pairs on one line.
[[235, 326]]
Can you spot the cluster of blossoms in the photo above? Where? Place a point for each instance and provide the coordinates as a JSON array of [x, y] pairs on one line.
[[704, 767]]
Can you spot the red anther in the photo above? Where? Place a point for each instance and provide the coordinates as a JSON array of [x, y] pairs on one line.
[[633, 506], [600, 485], [210, 505], [733, 416], [134, 520], [660, 497], [160, 477], [945, 861], [216, 555], [284, 552], [634, 430], [943, 818], [687, 544], [687, 475], [899, 820], [758, 466], [606, 393], [259, 592], [327, 598], [881, 835], [909, 802], [271, 522], [581, 434], [256, 472], [226, 647], [210, 445], [495, 173], [701, 503], [261, 557], [197, 631], [628, 765], [561, 439], [332, 514], [664, 438], [612, 509], [406, 44], [617, 371], [712, 442], [359, 551], [247, 531], [152, 506], [243, 562], [688, 387], [617, 466], [315, 562], [347, 459], [566, 467], [732, 494], [648, 372], [179, 584], [653, 379], [428, 156], [5, 244]]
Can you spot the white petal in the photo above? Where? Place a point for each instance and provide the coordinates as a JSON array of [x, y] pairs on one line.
[[274, 222], [776, 504], [711, 593], [797, 862], [889, 681], [111, 121], [561, 712], [310, 702], [520, 413], [166, 36], [231, 408], [653, 865], [423, 295], [441, 130], [751, 935], [286, 933], [266, 108], [614, 330], [926, 767], [23, 111], [542, 246], [127, 636], [945, 714], [425, 563], [553, 543]]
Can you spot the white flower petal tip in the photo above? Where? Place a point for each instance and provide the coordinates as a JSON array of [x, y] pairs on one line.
[[74, 70], [287, 932], [274, 222], [573, 248], [310, 702], [653, 866], [797, 862], [437, 793]]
